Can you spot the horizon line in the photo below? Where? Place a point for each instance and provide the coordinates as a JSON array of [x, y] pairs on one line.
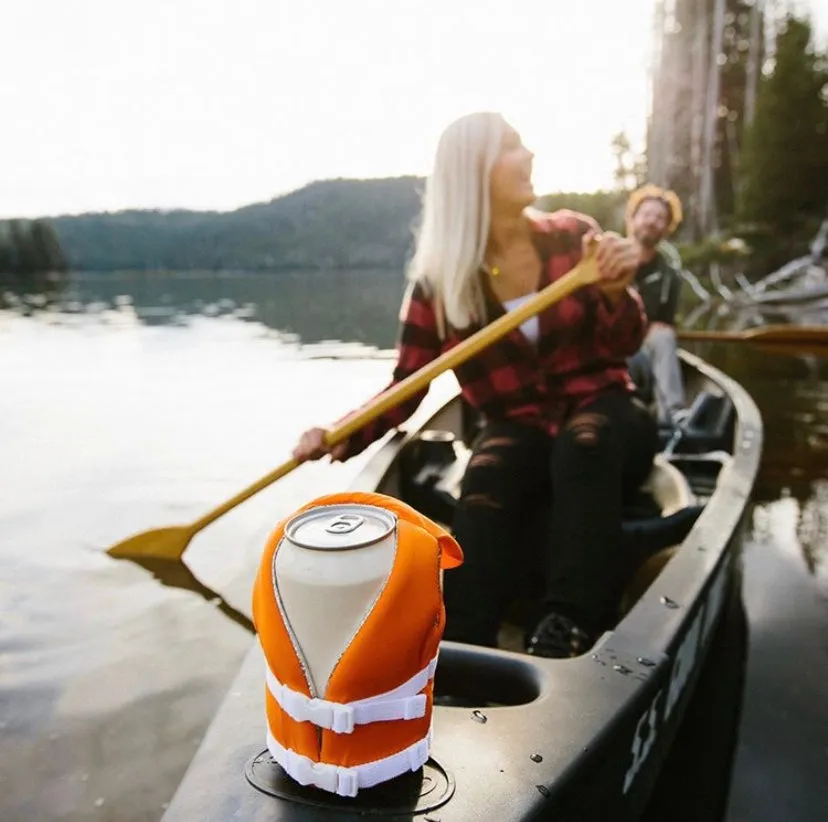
[[282, 195]]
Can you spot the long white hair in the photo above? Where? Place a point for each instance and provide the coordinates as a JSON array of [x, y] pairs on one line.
[[454, 227]]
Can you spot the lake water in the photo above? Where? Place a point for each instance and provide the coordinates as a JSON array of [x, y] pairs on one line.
[[144, 400]]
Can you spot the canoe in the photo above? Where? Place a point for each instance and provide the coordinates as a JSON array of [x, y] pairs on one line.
[[641, 727]]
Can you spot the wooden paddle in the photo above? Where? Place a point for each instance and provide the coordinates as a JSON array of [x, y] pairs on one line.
[[790, 337], [171, 542]]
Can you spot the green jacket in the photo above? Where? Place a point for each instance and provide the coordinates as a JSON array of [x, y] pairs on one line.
[[659, 284]]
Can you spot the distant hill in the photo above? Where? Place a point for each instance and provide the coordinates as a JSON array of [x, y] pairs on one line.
[[329, 224], [337, 224]]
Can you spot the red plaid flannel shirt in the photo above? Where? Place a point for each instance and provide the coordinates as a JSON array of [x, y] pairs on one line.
[[581, 352]]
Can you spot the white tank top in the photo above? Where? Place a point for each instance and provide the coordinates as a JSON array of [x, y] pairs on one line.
[[531, 328]]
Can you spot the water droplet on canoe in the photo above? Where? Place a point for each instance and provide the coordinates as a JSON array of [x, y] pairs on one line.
[[669, 603], [479, 716], [622, 669], [647, 663], [543, 790], [536, 758]]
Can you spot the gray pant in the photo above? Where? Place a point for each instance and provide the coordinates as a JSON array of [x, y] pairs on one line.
[[655, 369]]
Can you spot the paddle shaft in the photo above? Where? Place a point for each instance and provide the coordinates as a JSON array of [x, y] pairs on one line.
[[584, 273]]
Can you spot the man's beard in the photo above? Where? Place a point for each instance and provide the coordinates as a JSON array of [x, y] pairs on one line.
[[648, 240]]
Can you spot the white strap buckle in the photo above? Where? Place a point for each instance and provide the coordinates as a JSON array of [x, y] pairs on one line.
[[415, 707], [404, 702], [333, 715], [348, 781], [332, 778]]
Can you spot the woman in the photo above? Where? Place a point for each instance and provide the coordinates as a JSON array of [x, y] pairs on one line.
[[563, 437]]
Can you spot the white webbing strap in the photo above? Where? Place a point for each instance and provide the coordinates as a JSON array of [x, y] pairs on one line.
[[347, 781], [403, 702]]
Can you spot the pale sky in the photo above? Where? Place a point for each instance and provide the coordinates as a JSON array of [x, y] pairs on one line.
[[112, 104]]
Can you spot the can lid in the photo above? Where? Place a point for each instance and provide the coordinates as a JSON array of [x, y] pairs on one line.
[[340, 527]]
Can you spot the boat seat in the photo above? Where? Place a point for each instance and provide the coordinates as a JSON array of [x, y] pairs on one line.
[[668, 487], [706, 468], [662, 512]]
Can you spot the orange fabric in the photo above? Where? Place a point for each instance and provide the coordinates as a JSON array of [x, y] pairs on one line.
[[400, 636]]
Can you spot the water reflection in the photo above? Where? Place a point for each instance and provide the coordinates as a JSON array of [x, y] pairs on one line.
[[108, 679], [812, 531], [358, 306], [792, 394], [179, 575]]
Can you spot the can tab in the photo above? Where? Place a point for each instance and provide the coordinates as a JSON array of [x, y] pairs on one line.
[[345, 524]]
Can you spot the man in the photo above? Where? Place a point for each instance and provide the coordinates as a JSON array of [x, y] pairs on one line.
[[652, 215]]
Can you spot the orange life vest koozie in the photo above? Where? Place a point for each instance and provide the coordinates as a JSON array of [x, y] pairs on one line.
[[373, 721]]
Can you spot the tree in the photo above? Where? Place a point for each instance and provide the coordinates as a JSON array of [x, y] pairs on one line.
[[49, 256], [630, 168], [785, 160], [606, 207], [24, 255], [6, 258], [31, 258], [743, 27], [682, 112]]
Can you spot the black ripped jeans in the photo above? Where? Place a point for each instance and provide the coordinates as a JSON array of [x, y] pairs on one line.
[[543, 510]]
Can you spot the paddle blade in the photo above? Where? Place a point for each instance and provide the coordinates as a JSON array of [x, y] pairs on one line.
[[160, 543]]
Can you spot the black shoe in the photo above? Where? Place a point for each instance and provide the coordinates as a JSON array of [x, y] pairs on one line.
[[558, 637]]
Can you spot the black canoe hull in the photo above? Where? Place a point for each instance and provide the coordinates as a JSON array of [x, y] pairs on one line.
[[576, 739]]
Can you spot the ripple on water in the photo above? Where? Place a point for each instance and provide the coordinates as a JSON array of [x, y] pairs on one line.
[[108, 678]]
